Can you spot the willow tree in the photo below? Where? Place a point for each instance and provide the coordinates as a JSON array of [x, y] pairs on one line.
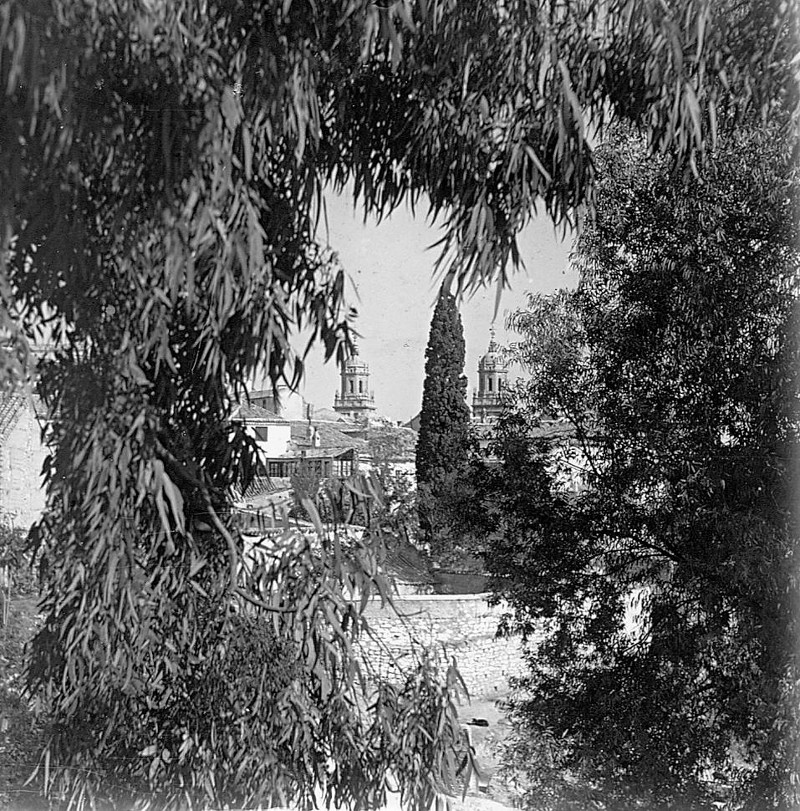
[[162, 168]]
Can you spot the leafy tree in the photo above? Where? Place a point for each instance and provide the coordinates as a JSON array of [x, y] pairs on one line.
[[443, 446], [162, 166], [664, 576], [397, 510], [388, 444], [306, 482]]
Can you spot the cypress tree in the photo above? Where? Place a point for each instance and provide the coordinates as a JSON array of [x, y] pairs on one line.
[[443, 444]]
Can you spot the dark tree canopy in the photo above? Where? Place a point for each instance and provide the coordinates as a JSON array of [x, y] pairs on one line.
[[160, 114], [162, 168], [666, 570], [444, 423]]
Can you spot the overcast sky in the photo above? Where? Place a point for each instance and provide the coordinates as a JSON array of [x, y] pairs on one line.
[[392, 271]]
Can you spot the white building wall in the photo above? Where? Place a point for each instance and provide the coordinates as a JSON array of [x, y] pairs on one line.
[[279, 435]]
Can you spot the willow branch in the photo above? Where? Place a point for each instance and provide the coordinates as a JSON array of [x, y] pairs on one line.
[[233, 552]]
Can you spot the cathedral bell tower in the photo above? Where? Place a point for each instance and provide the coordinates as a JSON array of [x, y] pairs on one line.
[[487, 402], [355, 399]]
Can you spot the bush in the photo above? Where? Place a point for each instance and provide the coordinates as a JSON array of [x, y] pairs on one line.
[[20, 732], [18, 573], [21, 735]]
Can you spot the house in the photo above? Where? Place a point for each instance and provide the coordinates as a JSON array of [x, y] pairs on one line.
[[326, 449], [272, 433], [287, 445]]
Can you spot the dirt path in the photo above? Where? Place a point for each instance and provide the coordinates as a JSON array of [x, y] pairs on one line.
[[488, 742]]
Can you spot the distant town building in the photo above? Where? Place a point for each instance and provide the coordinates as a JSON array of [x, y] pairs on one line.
[[355, 400], [266, 398], [322, 448], [287, 444], [487, 401], [272, 433]]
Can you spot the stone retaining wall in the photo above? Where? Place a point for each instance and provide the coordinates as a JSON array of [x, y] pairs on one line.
[[449, 626], [22, 455]]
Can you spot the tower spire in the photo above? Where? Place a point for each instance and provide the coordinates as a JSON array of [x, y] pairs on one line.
[[487, 401], [492, 345], [355, 400]]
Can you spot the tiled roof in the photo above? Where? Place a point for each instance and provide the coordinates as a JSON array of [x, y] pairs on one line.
[[260, 489], [259, 393], [329, 415], [553, 429], [329, 437], [259, 486], [403, 439], [547, 429], [248, 412], [405, 563]]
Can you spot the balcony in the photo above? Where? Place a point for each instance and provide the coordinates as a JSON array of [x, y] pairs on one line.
[[364, 399]]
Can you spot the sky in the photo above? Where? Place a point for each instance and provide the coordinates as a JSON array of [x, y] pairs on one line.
[[394, 290]]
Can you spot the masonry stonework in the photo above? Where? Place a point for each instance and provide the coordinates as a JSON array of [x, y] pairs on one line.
[[22, 455], [461, 627]]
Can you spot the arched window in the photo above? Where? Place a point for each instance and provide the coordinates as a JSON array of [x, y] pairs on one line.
[[490, 383], [352, 389], [360, 386]]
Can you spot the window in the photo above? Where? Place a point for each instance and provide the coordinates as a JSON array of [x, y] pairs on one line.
[[490, 383], [262, 433], [360, 386], [352, 389]]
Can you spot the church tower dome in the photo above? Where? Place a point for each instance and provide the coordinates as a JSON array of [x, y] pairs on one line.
[[355, 399], [487, 402]]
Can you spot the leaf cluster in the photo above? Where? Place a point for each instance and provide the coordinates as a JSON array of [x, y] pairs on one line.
[[247, 691]]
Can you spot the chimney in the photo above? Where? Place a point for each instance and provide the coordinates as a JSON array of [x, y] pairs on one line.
[[310, 431]]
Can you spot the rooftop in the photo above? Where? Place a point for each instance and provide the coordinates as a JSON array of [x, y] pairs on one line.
[[254, 413], [330, 437]]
